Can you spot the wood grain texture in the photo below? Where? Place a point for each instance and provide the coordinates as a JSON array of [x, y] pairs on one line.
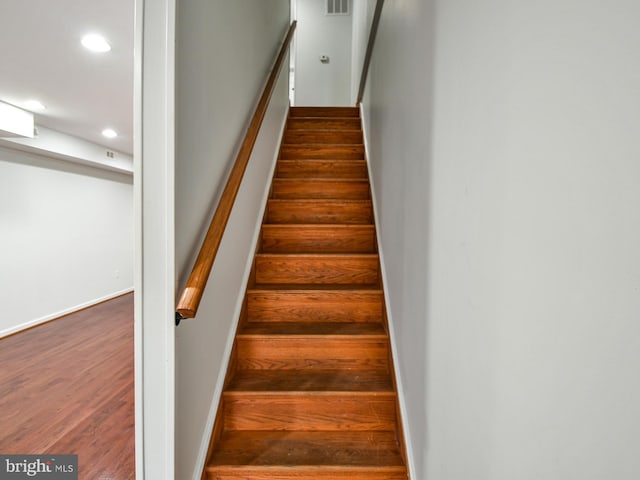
[[353, 212], [322, 168], [324, 188], [310, 328], [323, 123], [301, 381], [314, 305], [67, 387], [318, 238], [335, 152], [313, 269], [307, 473], [312, 411], [350, 449], [197, 281], [313, 352], [334, 136], [319, 112]]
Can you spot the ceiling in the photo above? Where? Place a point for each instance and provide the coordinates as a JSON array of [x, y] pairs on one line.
[[41, 58]]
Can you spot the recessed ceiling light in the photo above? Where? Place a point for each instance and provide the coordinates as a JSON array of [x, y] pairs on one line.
[[95, 43], [109, 133], [34, 105]]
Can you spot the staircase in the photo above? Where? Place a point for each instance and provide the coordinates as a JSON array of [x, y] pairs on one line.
[[310, 392]]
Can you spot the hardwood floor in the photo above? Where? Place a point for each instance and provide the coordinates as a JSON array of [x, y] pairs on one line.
[[66, 387]]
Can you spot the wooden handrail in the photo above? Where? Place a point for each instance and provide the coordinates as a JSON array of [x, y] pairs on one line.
[[367, 57], [192, 293]]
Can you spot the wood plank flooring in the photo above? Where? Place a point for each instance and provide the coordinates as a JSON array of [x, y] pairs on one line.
[[66, 387]]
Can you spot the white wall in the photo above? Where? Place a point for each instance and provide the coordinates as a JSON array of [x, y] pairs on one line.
[[67, 237], [363, 11], [504, 144], [217, 90], [154, 207], [319, 34]]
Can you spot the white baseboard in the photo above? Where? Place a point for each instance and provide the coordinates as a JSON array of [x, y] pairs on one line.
[[47, 318], [392, 338]]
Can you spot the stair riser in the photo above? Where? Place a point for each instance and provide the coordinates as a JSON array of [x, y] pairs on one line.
[[335, 137], [318, 239], [322, 169], [292, 212], [290, 382], [326, 412], [305, 474], [321, 112], [280, 269], [328, 189], [337, 455], [314, 307], [331, 152], [323, 124], [326, 353]]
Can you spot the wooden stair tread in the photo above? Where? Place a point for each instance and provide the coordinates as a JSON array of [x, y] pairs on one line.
[[308, 202], [322, 181], [324, 118], [334, 329], [319, 151], [307, 268], [313, 352], [315, 188], [329, 238], [324, 112], [317, 227], [324, 146], [305, 381], [328, 227], [310, 411], [314, 304], [319, 211], [372, 256], [330, 208], [311, 449], [317, 130], [306, 288], [320, 129], [344, 161], [322, 168], [329, 137], [325, 181], [328, 123]]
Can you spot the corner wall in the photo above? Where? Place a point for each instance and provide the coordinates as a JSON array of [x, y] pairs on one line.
[[67, 237], [504, 149], [224, 54]]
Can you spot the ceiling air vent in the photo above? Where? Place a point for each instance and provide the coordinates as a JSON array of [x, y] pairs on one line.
[[337, 7]]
